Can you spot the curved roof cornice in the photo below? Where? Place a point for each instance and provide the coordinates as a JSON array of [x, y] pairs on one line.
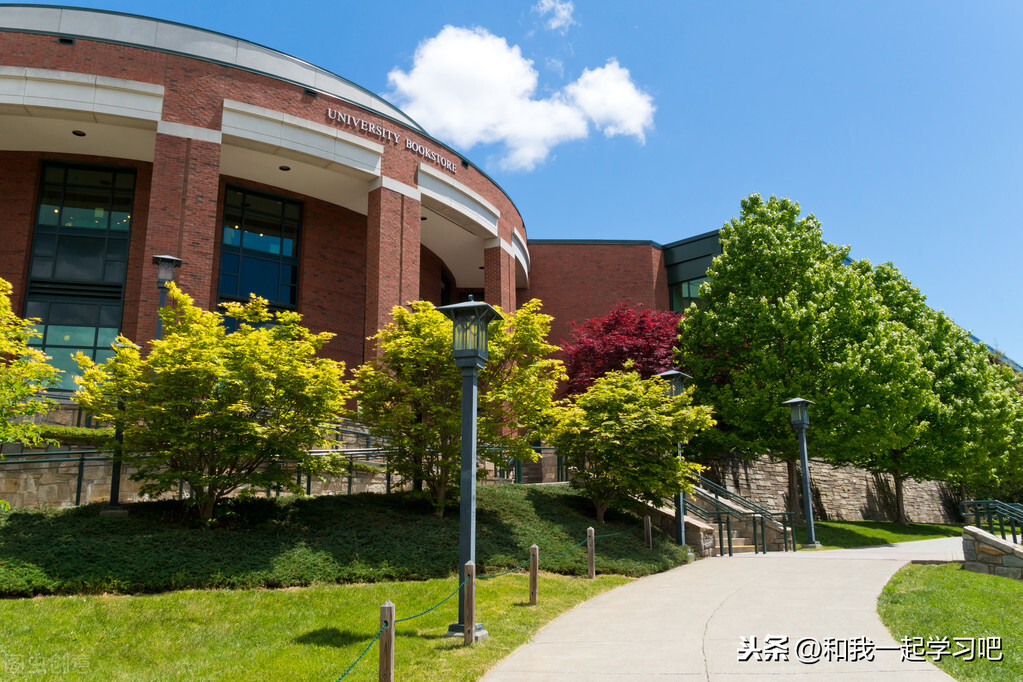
[[189, 41]]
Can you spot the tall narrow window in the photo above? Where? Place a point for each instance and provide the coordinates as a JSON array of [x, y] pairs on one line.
[[79, 261], [259, 252]]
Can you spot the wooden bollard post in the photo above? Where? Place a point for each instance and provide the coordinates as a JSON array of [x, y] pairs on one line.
[[534, 573], [648, 532], [470, 602], [591, 552], [387, 642]]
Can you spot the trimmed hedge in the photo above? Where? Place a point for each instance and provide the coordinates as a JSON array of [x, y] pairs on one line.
[[301, 541]]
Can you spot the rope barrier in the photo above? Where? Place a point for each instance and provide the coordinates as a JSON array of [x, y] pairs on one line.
[[580, 544], [607, 535], [455, 591], [371, 642], [491, 577], [423, 613]]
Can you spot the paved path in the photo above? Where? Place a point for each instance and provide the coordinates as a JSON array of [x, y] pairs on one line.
[[688, 623]]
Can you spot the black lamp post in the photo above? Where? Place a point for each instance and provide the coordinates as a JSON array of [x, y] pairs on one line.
[[165, 273], [469, 346], [676, 380], [801, 420], [114, 507]]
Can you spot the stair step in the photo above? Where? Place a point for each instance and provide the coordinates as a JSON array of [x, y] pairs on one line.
[[736, 549]]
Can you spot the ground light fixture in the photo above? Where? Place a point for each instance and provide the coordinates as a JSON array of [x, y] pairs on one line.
[[800, 421], [469, 348], [166, 265], [676, 380]]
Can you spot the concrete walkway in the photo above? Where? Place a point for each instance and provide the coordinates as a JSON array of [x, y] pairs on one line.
[[689, 623]]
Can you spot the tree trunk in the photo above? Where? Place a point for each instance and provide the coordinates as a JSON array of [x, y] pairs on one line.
[[900, 501], [440, 496], [206, 505], [601, 508], [794, 506]]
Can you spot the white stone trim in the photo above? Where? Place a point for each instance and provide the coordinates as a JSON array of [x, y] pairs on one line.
[[459, 187], [28, 91], [194, 42], [457, 203], [263, 128], [191, 132], [395, 186], [491, 243]]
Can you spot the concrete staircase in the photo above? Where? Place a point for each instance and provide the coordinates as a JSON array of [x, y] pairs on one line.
[[740, 545]]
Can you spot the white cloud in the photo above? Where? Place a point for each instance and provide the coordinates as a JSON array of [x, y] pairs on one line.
[[470, 87], [612, 101], [559, 14]]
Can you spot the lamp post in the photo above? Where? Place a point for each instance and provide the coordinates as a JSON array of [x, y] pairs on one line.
[[801, 420], [164, 274], [676, 380], [469, 347], [114, 507]]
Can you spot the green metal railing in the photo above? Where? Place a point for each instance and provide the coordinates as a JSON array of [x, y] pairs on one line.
[[995, 511], [726, 502]]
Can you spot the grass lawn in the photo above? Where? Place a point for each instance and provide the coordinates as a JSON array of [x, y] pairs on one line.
[[946, 601], [293, 542], [846, 534], [310, 633]]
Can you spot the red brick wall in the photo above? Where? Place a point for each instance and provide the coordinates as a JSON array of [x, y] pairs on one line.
[[185, 179], [580, 281], [183, 207], [430, 284], [19, 187]]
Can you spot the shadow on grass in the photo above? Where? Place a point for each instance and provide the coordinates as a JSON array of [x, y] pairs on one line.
[[332, 637], [851, 534]]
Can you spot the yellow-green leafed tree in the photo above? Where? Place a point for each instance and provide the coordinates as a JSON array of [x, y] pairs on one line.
[[619, 438], [23, 373], [411, 394], [219, 410]]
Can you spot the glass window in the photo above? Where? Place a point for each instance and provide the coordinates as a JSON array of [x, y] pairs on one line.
[[685, 293], [79, 261], [259, 251]]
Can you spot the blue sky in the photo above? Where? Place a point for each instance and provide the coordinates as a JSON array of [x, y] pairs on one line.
[[898, 124]]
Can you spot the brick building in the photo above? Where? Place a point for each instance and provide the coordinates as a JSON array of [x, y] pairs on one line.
[[123, 138]]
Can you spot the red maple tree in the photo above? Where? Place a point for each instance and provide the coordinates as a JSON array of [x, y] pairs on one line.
[[602, 344]]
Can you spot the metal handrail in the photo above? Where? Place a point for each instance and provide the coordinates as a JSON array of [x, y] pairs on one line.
[[784, 518], [756, 514], [734, 497], [995, 510]]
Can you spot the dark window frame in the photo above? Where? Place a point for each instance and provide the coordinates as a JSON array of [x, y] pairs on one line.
[[79, 312], [234, 257]]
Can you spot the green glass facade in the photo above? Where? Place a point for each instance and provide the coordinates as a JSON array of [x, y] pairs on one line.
[[79, 261]]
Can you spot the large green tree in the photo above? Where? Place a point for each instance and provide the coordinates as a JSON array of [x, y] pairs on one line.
[[411, 394], [967, 430], [222, 411], [781, 316], [23, 374], [619, 438]]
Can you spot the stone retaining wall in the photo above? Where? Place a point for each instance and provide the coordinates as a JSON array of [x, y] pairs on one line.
[[840, 493], [24, 483], [987, 553]]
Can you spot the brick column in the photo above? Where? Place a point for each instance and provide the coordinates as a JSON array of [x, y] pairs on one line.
[[181, 222], [499, 276], [392, 257]]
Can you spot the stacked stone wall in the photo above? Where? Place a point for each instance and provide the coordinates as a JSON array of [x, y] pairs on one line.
[[29, 478], [840, 493], [987, 553]]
